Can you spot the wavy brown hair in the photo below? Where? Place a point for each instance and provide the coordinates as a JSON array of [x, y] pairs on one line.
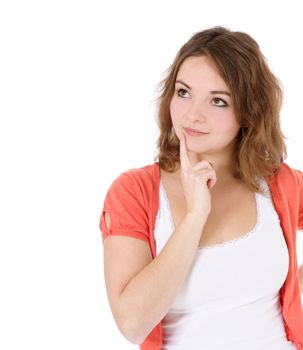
[[257, 98]]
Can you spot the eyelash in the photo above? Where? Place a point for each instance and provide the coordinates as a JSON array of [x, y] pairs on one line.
[[217, 98]]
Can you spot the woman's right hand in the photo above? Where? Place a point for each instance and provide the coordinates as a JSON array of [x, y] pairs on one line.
[[197, 180]]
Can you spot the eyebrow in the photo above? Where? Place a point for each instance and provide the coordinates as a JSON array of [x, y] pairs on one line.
[[212, 92]]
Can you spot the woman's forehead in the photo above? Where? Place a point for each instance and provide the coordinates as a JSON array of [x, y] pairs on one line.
[[197, 72]]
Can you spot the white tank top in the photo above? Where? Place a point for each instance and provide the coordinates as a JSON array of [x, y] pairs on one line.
[[230, 297]]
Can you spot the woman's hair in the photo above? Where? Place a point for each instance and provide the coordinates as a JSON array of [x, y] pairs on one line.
[[257, 99]]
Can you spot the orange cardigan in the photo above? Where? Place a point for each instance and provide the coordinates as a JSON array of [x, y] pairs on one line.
[[133, 200]]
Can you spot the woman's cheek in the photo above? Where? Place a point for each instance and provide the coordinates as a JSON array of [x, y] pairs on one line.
[[177, 109], [225, 123], [173, 107], [227, 130]]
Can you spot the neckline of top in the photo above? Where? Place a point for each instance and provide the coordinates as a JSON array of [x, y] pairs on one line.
[[226, 243]]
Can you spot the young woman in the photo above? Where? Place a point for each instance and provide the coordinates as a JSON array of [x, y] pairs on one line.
[[215, 217]]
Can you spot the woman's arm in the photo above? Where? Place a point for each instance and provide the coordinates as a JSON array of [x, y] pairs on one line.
[[148, 296]]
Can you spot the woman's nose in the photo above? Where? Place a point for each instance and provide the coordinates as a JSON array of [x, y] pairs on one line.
[[196, 112]]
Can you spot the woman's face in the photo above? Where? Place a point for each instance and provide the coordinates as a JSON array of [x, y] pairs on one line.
[[202, 101]]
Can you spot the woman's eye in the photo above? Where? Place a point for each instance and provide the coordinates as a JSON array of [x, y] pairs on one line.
[[218, 100], [181, 90]]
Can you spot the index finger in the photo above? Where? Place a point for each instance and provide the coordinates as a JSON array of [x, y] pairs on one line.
[[184, 158]]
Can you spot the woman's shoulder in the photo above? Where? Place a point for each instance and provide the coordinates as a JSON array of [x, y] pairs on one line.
[[286, 177], [142, 178], [144, 172], [285, 170]]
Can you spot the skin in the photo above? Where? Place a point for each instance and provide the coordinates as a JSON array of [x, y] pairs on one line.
[[199, 109]]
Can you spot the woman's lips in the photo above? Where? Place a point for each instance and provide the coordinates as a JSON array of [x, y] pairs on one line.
[[194, 132]]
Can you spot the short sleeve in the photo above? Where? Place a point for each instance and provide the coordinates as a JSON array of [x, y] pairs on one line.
[[300, 214], [125, 204]]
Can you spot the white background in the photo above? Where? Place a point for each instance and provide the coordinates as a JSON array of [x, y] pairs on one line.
[[77, 80]]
